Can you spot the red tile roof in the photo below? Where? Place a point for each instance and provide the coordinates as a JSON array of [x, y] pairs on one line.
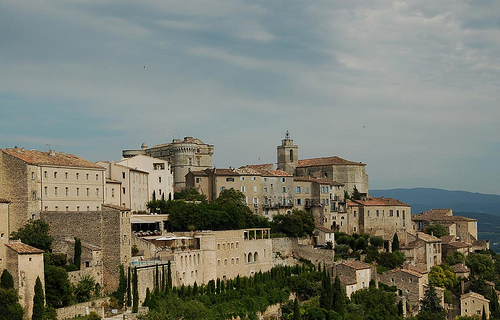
[[358, 265], [23, 248], [35, 157], [4, 200], [318, 180], [440, 215], [380, 202], [267, 166], [327, 161]]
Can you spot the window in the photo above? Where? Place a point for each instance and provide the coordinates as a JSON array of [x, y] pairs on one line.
[[354, 213], [222, 188], [391, 213], [283, 179], [265, 189], [67, 208], [45, 174], [87, 192], [56, 208], [242, 178], [88, 208], [97, 192], [198, 180], [253, 178], [283, 189], [67, 191], [33, 195], [298, 190], [159, 179], [377, 213], [254, 188], [299, 202], [45, 190], [112, 192], [55, 191], [307, 190], [123, 190], [66, 175], [87, 176], [123, 175], [77, 176], [243, 189], [46, 208], [97, 177], [32, 176], [77, 191], [55, 175], [229, 179]]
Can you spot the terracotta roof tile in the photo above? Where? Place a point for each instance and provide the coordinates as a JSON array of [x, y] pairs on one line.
[[35, 157], [473, 295], [23, 248], [407, 271], [460, 268], [327, 161], [358, 265], [318, 180], [116, 207], [199, 173], [371, 201], [325, 230], [267, 166], [4, 200], [440, 215]]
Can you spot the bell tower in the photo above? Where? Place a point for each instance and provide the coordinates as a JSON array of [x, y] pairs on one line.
[[288, 155]]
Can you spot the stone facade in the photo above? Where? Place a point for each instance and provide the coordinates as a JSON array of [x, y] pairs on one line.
[[190, 154], [355, 275], [36, 181], [25, 264], [4, 230], [410, 285], [472, 304], [134, 191], [161, 178], [465, 228], [108, 229], [421, 249], [375, 216]]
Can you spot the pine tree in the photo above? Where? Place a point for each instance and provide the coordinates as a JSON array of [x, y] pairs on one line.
[[430, 303], [78, 253], [395, 243], [326, 296], [355, 194], [6, 280], [129, 289], [38, 301], [135, 289], [296, 310]]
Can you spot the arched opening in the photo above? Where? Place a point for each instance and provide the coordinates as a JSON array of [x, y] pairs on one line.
[[250, 257], [291, 155], [255, 256]]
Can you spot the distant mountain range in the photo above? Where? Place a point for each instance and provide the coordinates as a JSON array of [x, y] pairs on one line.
[[483, 207], [423, 199]]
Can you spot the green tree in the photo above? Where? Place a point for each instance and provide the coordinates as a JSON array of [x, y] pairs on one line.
[[436, 230], [190, 194], [85, 288], [454, 257], [430, 305], [58, 291], [376, 304], [122, 287], [10, 309], [355, 194], [78, 253], [377, 241], [395, 242], [135, 289], [391, 260], [296, 310], [38, 301], [443, 276], [6, 280], [35, 233], [481, 265], [297, 224], [129, 289], [339, 297]]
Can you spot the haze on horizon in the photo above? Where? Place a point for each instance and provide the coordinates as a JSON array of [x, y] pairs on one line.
[[409, 88]]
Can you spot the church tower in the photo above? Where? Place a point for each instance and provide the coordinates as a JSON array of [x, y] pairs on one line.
[[288, 155]]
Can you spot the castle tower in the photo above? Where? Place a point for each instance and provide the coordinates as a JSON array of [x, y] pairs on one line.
[[288, 155]]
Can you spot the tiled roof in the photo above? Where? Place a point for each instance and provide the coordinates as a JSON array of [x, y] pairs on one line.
[[358, 265], [407, 271], [198, 173], [473, 295], [327, 161], [267, 166], [440, 215], [325, 230], [4, 200], [371, 201], [448, 239], [35, 157], [318, 180], [460, 268], [460, 244], [23, 248], [427, 237]]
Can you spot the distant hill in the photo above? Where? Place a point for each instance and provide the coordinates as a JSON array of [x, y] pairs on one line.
[[423, 199]]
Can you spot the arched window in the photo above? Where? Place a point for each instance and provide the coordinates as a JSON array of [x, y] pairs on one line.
[[291, 155], [255, 256], [250, 257]]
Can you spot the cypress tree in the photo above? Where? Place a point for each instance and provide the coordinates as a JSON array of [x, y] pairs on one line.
[[339, 297], [400, 308], [164, 285], [296, 310], [6, 280], [122, 287], [78, 253], [38, 301], [430, 303], [135, 289], [195, 289], [326, 296], [217, 288], [157, 284], [169, 276], [395, 243], [129, 290], [483, 315], [147, 301]]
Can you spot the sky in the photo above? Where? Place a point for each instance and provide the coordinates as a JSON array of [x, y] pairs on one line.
[[411, 88]]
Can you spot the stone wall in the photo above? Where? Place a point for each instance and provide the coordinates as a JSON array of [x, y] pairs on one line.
[[82, 309], [285, 249]]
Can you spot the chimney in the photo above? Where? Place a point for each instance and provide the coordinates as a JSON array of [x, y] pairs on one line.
[[52, 153]]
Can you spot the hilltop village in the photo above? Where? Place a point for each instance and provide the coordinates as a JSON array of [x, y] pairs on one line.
[[107, 218]]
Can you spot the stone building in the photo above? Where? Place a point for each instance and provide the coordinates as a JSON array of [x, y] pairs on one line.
[[4, 230], [464, 228], [25, 264], [350, 174], [423, 250], [108, 229], [134, 192], [36, 181], [268, 192], [190, 154], [410, 284], [375, 216], [161, 178], [472, 305], [355, 275]]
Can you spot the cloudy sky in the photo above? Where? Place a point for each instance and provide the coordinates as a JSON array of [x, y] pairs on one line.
[[409, 88]]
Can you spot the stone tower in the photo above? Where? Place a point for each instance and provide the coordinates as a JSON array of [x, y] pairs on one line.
[[288, 155]]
